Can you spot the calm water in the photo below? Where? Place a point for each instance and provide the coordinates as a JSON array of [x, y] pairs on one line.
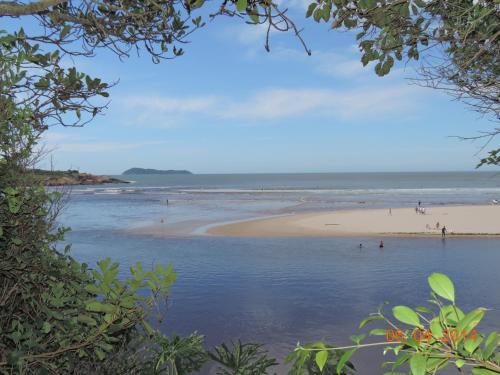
[[281, 290]]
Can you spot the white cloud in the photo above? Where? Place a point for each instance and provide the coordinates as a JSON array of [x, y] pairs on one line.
[[172, 105], [338, 66], [347, 104], [99, 146], [346, 65], [156, 111], [54, 137], [279, 103], [250, 34]]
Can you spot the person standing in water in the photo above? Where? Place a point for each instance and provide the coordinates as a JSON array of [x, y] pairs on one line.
[[443, 232], [381, 245]]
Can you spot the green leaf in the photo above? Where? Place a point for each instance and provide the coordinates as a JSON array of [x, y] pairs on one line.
[[100, 354], [451, 314], [471, 344], [147, 327], [378, 332], [317, 15], [442, 286], [406, 315], [459, 363], [469, 321], [424, 310], [92, 288], [418, 364], [66, 29], [46, 327], [87, 320], [490, 345], [241, 5], [357, 339], [343, 360], [254, 15], [321, 358], [94, 306], [310, 9], [435, 363], [435, 327], [370, 319]]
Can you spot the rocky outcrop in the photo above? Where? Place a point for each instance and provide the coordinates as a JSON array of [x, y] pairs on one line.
[[58, 178]]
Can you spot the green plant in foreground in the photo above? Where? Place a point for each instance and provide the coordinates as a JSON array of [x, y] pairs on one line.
[[324, 362], [423, 339], [242, 359]]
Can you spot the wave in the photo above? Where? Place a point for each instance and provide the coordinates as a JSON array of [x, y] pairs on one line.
[[170, 190], [345, 191]]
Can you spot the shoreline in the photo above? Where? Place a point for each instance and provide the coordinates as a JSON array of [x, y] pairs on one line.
[[465, 221]]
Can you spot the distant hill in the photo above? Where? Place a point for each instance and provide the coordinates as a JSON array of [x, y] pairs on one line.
[[154, 171], [73, 177]]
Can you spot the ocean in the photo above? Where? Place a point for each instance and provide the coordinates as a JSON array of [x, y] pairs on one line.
[[278, 291]]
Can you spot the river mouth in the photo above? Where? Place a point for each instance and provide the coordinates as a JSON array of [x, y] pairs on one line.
[[281, 290]]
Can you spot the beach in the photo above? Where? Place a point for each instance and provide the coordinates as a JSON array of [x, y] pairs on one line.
[[281, 289], [467, 220]]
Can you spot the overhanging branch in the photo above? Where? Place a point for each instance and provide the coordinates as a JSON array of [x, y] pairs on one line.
[[15, 9]]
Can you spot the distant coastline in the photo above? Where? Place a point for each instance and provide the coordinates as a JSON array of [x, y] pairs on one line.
[[141, 171], [74, 177]]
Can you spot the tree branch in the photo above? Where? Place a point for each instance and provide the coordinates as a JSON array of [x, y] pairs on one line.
[[14, 9]]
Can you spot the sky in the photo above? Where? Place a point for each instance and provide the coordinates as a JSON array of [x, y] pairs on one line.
[[228, 106]]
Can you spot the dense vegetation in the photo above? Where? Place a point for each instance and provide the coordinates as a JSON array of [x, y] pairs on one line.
[[59, 316], [72, 177]]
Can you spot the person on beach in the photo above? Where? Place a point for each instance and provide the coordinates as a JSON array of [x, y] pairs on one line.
[[381, 245], [419, 203], [437, 225], [390, 211], [443, 232]]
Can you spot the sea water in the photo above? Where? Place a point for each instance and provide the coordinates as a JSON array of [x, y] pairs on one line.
[[278, 291]]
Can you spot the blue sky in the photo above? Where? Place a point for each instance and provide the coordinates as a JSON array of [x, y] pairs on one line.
[[228, 106]]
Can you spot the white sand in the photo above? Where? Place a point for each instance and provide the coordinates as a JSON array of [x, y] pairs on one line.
[[459, 220]]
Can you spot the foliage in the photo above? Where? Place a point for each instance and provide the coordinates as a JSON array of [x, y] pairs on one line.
[[180, 355], [427, 340], [455, 40], [56, 315], [493, 158], [242, 359], [316, 360]]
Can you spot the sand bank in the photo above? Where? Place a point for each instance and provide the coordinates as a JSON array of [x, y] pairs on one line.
[[459, 221]]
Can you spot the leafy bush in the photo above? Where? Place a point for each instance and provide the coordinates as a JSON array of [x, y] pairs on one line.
[[426, 340], [242, 359]]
